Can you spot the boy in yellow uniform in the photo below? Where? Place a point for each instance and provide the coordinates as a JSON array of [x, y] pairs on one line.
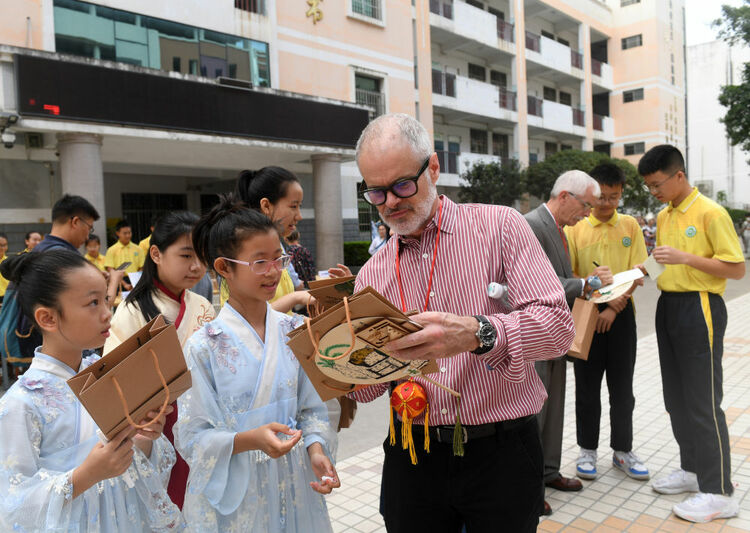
[[696, 241], [124, 251], [609, 238], [93, 245], [3, 257]]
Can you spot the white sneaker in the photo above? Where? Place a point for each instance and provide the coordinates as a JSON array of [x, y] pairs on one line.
[[704, 507], [677, 482], [629, 463], [586, 464]]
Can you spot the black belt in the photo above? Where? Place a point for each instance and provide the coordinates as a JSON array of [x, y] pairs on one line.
[[444, 434]]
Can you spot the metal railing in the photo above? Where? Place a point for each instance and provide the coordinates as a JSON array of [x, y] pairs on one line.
[[443, 83], [372, 99], [253, 6], [444, 8], [533, 41], [596, 67], [505, 31], [598, 122], [448, 161], [576, 59], [507, 98], [534, 105], [578, 117], [368, 8]]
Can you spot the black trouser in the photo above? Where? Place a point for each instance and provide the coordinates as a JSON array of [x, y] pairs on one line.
[[496, 486], [612, 352], [690, 332]]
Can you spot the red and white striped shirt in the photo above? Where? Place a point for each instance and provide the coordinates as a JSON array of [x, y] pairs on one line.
[[480, 244]]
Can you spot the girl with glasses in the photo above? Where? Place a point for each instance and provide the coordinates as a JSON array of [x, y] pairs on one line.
[[252, 429]]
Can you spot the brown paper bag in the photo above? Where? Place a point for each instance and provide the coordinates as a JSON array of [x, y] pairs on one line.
[[144, 373], [585, 315], [329, 292]]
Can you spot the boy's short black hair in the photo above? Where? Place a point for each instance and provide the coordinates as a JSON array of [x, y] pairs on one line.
[[3, 236], [608, 174], [29, 233], [93, 237], [70, 206], [122, 224], [664, 157]]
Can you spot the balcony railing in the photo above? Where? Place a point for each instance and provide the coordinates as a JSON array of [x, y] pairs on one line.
[[596, 67], [448, 162], [505, 30], [534, 105], [444, 8], [372, 99], [533, 42], [507, 98], [578, 117], [443, 83], [576, 59], [253, 6], [598, 122]]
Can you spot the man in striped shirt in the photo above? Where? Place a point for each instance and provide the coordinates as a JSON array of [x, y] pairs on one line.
[[440, 264]]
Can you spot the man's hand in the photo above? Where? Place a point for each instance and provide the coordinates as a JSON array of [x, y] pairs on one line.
[[604, 322], [619, 303], [604, 274], [666, 255], [444, 335], [339, 271]]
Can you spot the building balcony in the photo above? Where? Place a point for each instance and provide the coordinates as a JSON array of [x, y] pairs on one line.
[[601, 74], [457, 97], [544, 55], [466, 160], [604, 129], [551, 116], [373, 99], [453, 164], [459, 26]]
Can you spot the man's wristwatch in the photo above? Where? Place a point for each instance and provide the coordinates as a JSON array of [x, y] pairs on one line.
[[486, 335]]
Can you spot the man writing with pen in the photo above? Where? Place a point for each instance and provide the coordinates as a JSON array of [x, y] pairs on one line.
[[608, 238]]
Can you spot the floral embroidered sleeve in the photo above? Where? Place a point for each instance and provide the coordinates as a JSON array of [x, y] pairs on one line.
[[312, 415]]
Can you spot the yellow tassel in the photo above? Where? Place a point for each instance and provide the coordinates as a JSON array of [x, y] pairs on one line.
[[458, 433], [405, 425], [393, 428], [427, 428]]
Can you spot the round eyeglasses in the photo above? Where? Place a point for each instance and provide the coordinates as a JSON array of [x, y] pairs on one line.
[[403, 188], [263, 266]]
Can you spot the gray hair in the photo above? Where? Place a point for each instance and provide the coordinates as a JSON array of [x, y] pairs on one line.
[[409, 128], [575, 181]]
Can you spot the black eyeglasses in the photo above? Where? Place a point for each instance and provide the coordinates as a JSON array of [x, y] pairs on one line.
[[90, 226], [403, 188]]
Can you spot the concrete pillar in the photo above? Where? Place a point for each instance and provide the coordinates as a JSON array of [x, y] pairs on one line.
[[521, 130], [587, 90], [329, 230], [82, 174]]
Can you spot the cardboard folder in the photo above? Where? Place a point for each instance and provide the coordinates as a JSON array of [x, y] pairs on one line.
[[135, 367]]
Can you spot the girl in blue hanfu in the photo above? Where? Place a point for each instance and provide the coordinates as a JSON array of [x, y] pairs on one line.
[[55, 473], [252, 428]]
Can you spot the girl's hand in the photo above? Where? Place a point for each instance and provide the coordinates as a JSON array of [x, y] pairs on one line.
[[323, 469], [105, 461], [144, 437], [265, 439]]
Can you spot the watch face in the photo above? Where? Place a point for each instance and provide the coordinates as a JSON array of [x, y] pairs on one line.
[[487, 334]]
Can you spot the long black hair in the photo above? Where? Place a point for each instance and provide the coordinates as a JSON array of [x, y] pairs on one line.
[[168, 229], [268, 182], [221, 231], [40, 277]]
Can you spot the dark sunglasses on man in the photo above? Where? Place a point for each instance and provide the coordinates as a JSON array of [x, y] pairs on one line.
[[403, 188]]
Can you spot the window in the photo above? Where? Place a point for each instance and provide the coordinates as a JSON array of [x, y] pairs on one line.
[[477, 72], [476, 4], [498, 79], [368, 8], [549, 149], [624, 3], [548, 35], [566, 98], [533, 158], [500, 145], [499, 14], [564, 147], [139, 209], [367, 92], [550, 94], [563, 41], [632, 96], [253, 6], [478, 141], [635, 148], [632, 41], [87, 30], [448, 160]]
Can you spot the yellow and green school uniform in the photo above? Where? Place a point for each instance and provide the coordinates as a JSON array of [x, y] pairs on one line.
[[145, 244], [119, 253], [3, 282], [98, 262]]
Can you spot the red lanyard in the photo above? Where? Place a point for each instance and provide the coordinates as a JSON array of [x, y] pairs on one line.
[[432, 267]]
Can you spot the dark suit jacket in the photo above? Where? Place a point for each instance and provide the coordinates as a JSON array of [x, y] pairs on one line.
[[545, 229]]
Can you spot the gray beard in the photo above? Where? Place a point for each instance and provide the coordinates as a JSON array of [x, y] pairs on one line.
[[419, 218]]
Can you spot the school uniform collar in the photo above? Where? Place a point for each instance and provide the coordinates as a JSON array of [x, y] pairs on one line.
[[687, 202], [613, 220]]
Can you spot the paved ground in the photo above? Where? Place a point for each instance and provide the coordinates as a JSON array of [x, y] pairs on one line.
[[613, 502]]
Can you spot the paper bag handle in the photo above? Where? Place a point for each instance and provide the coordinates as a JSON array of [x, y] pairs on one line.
[[125, 404], [349, 388], [316, 340]]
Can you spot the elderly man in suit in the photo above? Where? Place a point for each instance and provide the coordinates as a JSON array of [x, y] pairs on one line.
[[571, 199]]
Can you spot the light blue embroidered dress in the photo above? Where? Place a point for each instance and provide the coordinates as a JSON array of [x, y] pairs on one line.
[[45, 433], [241, 383]]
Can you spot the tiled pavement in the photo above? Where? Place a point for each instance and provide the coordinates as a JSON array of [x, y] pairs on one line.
[[613, 502]]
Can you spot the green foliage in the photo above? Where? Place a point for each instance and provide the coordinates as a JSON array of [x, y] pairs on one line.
[[540, 177], [734, 25], [356, 253], [492, 183]]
